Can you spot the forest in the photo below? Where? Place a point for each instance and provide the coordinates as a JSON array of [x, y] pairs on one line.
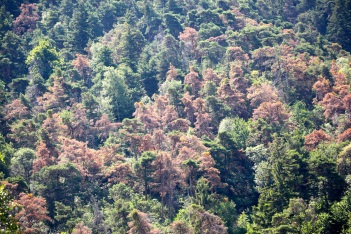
[[175, 116]]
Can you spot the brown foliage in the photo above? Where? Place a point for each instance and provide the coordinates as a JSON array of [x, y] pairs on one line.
[[321, 87], [159, 114], [338, 100], [332, 105], [104, 126], [232, 98], [190, 38], [264, 57], [237, 79], [166, 176], [180, 227], [189, 108], [109, 155], [262, 93], [52, 128], [346, 135], [26, 21], [16, 110], [180, 124], [210, 75], [338, 76], [172, 73], [81, 64], [193, 79], [236, 53], [80, 228], [211, 173], [32, 214], [203, 119], [119, 173], [315, 138], [56, 97], [207, 222], [146, 115], [272, 112], [139, 223], [44, 157], [146, 143], [78, 124], [86, 159]]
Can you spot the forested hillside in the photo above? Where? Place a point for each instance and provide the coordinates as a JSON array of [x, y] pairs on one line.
[[175, 116]]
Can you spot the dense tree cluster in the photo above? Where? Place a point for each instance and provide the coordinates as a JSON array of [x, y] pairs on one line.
[[175, 116]]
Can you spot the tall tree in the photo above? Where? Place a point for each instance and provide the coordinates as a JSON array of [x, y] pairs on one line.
[[339, 26]]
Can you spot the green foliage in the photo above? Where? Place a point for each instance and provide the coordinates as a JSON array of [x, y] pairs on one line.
[[209, 30], [237, 128], [284, 65], [116, 97], [8, 223], [143, 168], [326, 181], [44, 58], [22, 163], [339, 27], [58, 183]]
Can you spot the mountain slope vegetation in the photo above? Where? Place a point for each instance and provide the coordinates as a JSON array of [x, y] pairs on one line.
[[175, 116]]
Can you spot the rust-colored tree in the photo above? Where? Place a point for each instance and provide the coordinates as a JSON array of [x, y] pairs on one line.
[[44, 157], [26, 21], [189, 37], [259, 93], [193, 80], [166, 176], [210, 75], [139, 223], [80, 228], [103, 127], [236, 77], [32, 214], [189, 108], [232, 98], [172, 73], [315, 138], [87, 160], [272, 112], [203, 119], [321, 87], [81, 64], [16, 110], [210, 172], [236, 53], [56, 97]]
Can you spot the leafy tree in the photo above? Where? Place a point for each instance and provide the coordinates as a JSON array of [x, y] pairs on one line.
[[32, 213], [237, 128], [58, 183], [43, 58], [139, 223], [201, 221], [339, 27], [325, 180], [116, 97], [84, 25], [172, 23], [169, 54], [12, 58], [143, 168], [131, 45], [7, 222], [22, 163], [26, 21]]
